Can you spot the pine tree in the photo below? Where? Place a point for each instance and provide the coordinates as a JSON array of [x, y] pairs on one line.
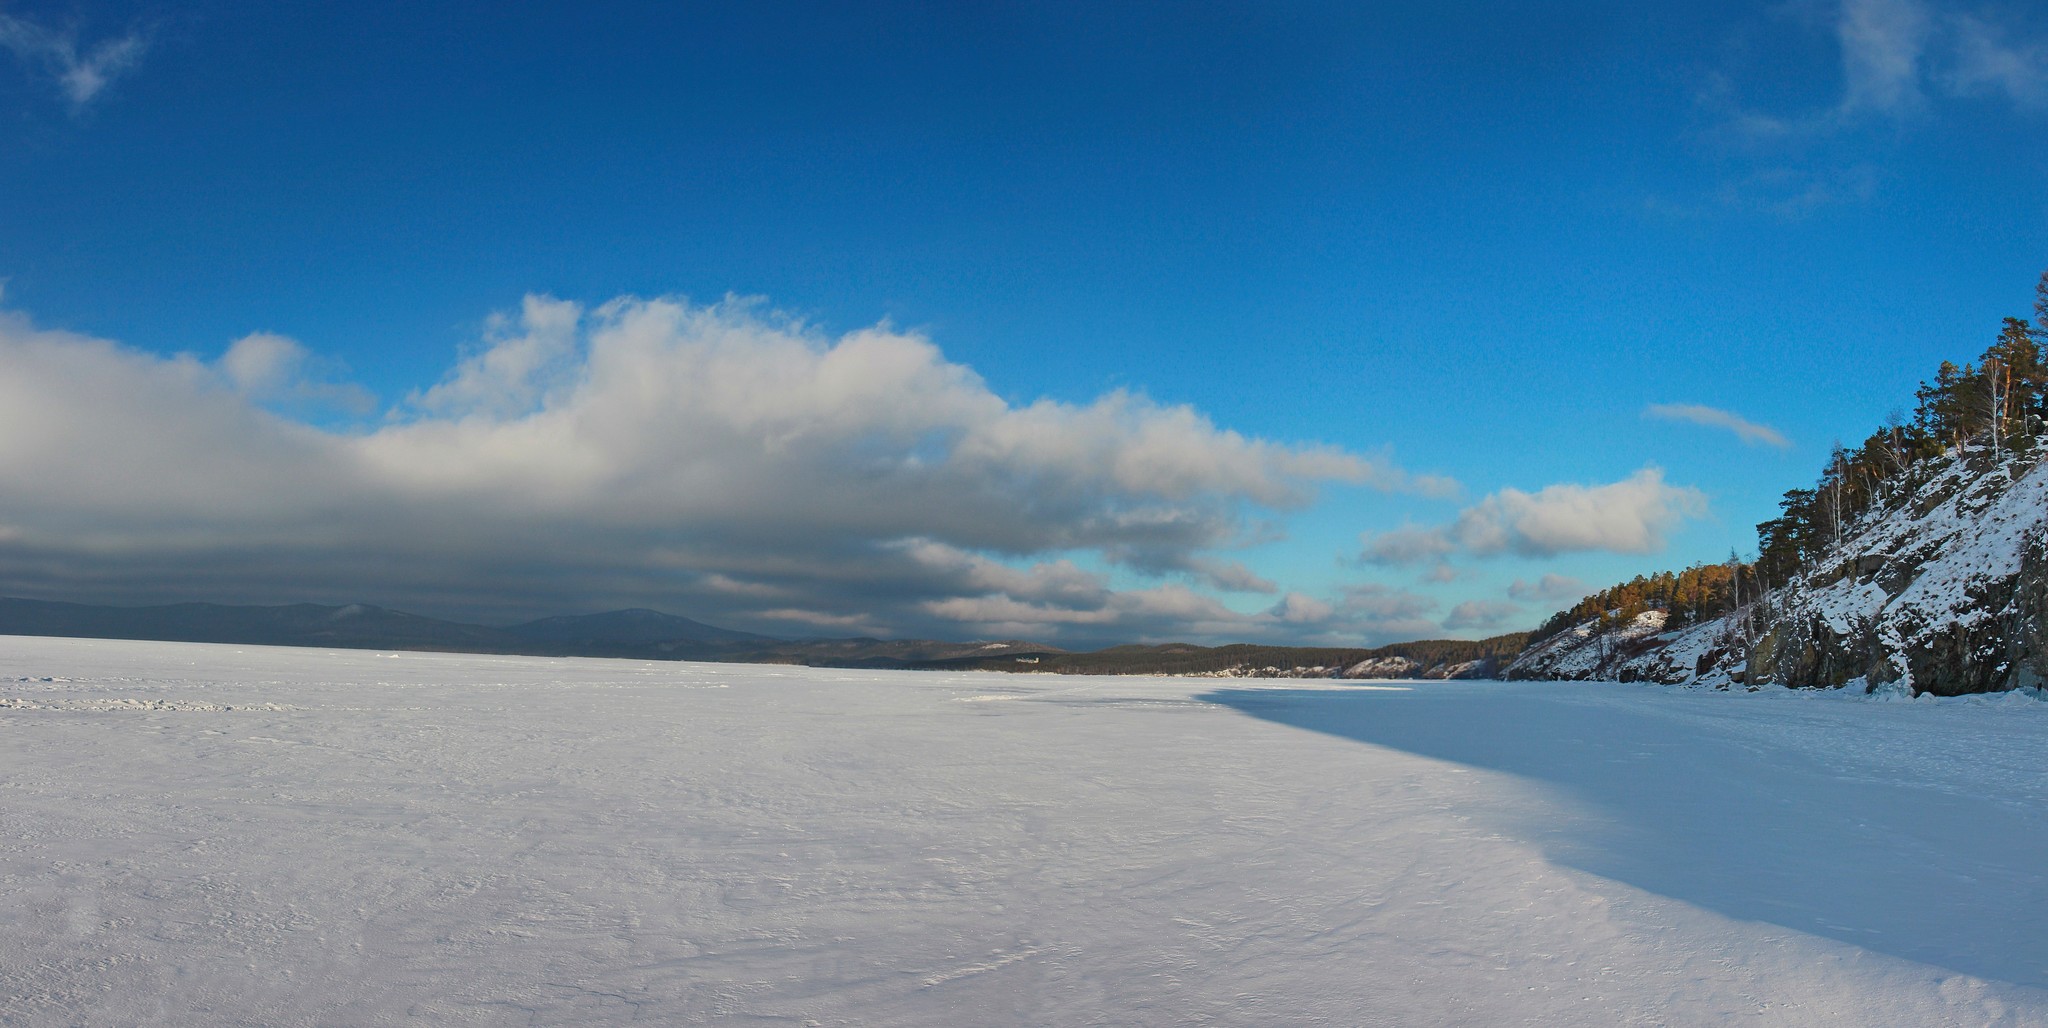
[[2025, 387]]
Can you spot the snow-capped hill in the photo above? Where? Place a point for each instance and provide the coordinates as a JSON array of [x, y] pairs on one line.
[[1943, 588]]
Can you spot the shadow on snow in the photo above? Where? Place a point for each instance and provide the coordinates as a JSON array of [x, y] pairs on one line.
[[1729, 822]]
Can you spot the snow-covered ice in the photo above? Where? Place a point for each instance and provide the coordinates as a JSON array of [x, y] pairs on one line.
[[198, 834]]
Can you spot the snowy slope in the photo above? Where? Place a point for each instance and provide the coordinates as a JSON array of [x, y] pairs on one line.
[[198, 834], [1944, 590]]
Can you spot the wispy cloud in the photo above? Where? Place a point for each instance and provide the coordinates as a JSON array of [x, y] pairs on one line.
[[1989, 59], [1633, 515], [1793, 193], [80, 72], [1481, 614], [1883, 45], [1746, 430], [1896, 58], [717, 460], [1551, 588], [1409, 544], [1899, 62]]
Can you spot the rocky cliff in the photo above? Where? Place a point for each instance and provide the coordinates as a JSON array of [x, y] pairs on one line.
[[1941, 588]]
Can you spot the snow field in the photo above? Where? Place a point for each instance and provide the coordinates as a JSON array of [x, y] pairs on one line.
[[194, 834]]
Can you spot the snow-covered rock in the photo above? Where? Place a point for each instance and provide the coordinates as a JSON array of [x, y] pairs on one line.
[[1943, 589]]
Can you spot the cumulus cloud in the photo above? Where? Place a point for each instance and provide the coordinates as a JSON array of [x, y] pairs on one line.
[[717, 460], [1713, 417], [270, 368], [1481, 614], [1373, 600], [519, 365], [1630, 516], [80, 73], [1409, 544], [1302, 609], [1440, 573]]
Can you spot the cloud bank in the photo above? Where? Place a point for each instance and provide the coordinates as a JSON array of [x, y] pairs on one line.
[[719, 460]]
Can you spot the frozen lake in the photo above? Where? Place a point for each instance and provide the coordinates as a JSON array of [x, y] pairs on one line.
[[195, 834]]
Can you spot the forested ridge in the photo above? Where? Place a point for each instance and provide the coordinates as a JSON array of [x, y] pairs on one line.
[[1404, 659], [1974, 430]]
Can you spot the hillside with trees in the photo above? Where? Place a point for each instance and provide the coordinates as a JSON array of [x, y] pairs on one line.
[[1918, 558]]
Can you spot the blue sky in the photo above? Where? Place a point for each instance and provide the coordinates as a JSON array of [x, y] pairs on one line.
[[1378, 296]]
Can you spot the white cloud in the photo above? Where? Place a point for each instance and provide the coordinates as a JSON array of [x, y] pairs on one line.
[[1299, 608], [715, 460], [520, 364], [270, 368], [1897, 56], [1409, 544], [1882, 45], [1375, 601], [1630, 516], [81, 75], [263, 362], [1901, 64], [1988, 60], [1440, 573], [1712, 417], [1231, 576]]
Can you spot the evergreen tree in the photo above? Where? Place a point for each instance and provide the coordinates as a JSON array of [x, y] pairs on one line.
[[2018, 355]]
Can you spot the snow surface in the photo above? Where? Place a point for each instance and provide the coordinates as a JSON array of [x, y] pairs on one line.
[[194, 834]]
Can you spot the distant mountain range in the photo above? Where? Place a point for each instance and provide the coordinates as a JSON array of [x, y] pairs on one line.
[[652, 635], [356, 626], [619, 633], [636, 627]]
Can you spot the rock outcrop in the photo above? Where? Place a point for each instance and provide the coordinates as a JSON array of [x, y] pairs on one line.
[[1942, 589]]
